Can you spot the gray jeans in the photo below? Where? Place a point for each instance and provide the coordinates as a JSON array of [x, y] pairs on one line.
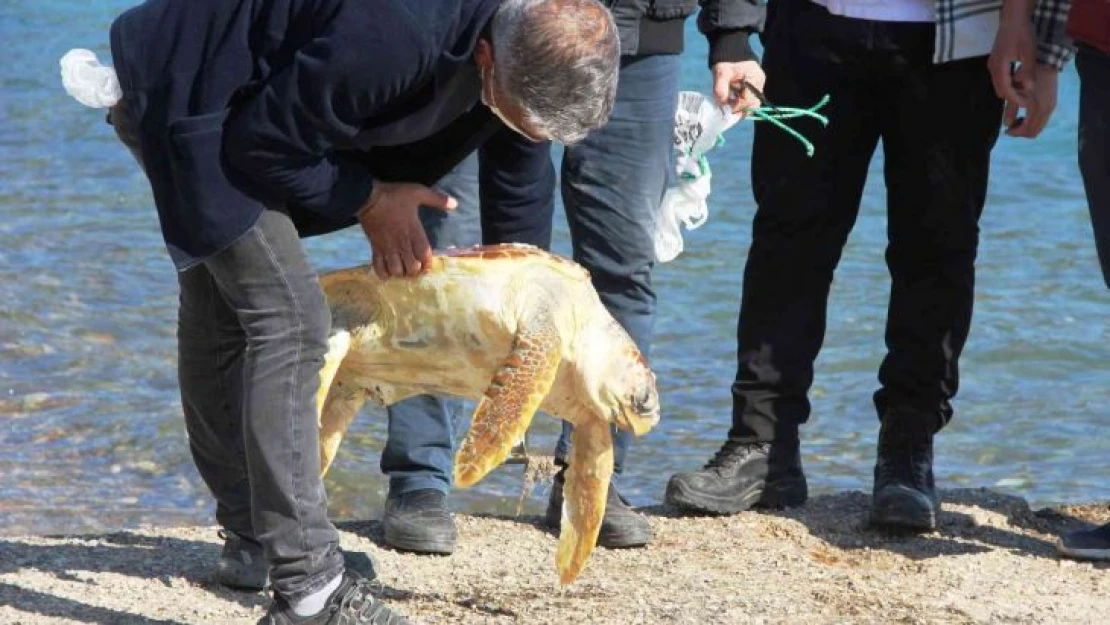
[[252, 334]]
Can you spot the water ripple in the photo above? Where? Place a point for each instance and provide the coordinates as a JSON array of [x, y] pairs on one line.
[[91, 433]]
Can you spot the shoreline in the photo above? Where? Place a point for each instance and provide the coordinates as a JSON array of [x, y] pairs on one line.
[[992, 560]]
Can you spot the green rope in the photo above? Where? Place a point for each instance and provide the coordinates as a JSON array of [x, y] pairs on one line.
[[777, 114], [703, 166]]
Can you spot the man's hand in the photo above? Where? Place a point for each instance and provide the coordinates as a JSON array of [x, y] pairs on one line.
[[1013, 43], [726, 83], [391, 222], [1032, 86], [1042, 103]]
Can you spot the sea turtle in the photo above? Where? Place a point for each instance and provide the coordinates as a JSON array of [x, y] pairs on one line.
[[512, 327]]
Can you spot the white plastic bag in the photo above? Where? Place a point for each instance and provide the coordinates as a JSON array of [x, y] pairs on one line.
[[89, 82], [699, 123], [682, 204]]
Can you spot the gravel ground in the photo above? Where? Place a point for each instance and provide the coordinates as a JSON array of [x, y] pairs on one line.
[[992, 561]]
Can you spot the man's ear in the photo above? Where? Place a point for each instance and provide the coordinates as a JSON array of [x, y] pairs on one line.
[[483, 54]]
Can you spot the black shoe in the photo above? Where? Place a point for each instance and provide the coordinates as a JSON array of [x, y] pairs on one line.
[[1092, 544], [621, 526], [905, 494], [242, 564], [742, 476], [351, 604], [420, 522]]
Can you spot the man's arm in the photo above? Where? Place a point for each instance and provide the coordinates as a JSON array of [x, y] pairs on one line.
[[1054, 48], [728, 25], [285, 136]]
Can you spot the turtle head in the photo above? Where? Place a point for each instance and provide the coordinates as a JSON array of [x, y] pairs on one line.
[[637, 397], [625, 385]]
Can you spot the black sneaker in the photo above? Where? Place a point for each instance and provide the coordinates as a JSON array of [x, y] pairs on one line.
[[741, 476], [1092, 544], [621, 527], [420, 522], [905, 493], [242, 564], [351, 604]]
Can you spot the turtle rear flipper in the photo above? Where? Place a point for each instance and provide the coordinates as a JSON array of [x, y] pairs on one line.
[[338, 346], [515, 393], [584, 493]]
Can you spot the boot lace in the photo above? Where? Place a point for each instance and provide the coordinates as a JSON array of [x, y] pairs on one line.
[[359, 606], [731, 454]]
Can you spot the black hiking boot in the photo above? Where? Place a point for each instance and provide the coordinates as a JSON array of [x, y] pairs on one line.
[[242, 564], [420, 522], [741, 476], [621, 527], [905, 495], [351, 604]]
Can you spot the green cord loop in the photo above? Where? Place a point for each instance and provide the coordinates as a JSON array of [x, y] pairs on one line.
[[779, 113]]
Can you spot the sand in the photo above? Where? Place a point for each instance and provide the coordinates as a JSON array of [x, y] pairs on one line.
[[991, 561]]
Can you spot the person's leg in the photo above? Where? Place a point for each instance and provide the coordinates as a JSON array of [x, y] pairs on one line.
[[806, 207], [612, 184], [210, 356], [265, 278], [1094, 165], [1094, 145], [515, 205], [936, 173], [418, 454], [251, 337], [211, 346], [517, 185]]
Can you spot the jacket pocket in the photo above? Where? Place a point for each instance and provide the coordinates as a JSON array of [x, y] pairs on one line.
[[671, 9], [210, 203], [185, 132]]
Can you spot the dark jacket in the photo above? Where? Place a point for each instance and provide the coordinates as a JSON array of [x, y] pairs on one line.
[[656, 26], [242, 104]]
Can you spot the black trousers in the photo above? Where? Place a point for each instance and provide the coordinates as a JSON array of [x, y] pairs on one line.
[[1093, 66], [937, 124]]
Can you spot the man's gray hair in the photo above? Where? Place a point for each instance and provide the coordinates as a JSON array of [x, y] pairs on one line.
[[558, 60]]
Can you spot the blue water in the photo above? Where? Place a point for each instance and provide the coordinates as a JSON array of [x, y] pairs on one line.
[[91, 435]]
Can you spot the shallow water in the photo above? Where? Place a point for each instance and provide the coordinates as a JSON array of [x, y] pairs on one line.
[[91, 435]]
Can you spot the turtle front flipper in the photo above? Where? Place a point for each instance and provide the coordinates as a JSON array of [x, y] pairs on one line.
[[336, 403], [584, 493], [511, 400]]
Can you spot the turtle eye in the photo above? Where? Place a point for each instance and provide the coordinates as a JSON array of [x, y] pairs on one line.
[[642, 403]]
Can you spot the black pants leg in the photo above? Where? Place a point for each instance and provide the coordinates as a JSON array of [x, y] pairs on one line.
[[882, 84], [806, 207], [1094, 145], [936, 173]]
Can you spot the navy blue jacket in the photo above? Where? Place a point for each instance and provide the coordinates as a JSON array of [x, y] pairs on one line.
[[294, 104]]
